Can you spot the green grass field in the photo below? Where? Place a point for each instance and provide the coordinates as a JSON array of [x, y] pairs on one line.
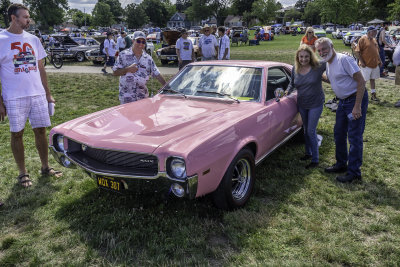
[[296, 217]]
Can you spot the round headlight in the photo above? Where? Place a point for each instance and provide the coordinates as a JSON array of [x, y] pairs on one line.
[[178, 168], [60, 142]]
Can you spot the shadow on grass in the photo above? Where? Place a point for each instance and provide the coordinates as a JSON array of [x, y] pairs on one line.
[[19, 213], [142, 227]]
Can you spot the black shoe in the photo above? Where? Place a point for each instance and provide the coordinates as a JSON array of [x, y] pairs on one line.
[[336, 169], [104, 71], [306, 157], [348, 178], [312, 165]]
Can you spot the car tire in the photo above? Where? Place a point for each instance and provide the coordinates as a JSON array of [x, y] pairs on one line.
[[164, 61], [80, 56], [237, 184]]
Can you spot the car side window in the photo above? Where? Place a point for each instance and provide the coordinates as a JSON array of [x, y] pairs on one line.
[[277, 78]]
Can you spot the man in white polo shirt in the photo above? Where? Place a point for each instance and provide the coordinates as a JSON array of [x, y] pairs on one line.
[[24, 90], [224, 44], [348, 84]]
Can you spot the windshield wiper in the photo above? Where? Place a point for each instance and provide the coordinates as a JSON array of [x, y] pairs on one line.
[[169, 89], [218, 93]]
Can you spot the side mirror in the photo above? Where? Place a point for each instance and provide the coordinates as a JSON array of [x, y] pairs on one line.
[[279, 92]]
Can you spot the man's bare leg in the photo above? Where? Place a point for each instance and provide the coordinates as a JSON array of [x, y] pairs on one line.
[[43, 150], [17, 147]]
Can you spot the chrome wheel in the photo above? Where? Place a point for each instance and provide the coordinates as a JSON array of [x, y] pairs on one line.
[[241, 179]]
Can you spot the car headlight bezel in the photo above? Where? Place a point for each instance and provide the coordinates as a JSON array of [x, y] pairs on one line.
[[58, 142], [176, 167]]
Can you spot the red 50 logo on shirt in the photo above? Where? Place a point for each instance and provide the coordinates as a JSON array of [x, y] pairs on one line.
[[25, 60]]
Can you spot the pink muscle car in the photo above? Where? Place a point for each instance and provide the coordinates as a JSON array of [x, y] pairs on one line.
[[203, 133]]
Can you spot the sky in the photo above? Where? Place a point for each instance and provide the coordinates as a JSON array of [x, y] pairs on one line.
[[88, 5]]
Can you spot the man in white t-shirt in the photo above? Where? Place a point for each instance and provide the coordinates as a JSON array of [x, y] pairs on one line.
[[24, 90], [184, 50], [121, 41], [208, 45], [110, 48], [348, 84], [224, 44]]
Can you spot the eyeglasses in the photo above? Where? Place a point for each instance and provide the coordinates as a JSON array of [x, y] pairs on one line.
[[141, 42]]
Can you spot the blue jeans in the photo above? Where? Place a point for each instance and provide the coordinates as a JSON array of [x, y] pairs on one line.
[[382, 56], [353, 131], [310, 119]]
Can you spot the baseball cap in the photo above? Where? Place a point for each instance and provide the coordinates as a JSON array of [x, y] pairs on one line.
[[139, 35], [371, 28]]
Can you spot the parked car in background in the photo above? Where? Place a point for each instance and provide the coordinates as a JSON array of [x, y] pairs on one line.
[[204, 133], [395, 33], [329, 30], [74, 48], [154, 37], [98, 57], [168, 52], [319, 32], [338, 34], [350, 36]]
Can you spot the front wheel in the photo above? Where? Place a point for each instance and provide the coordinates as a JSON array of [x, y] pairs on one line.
[[57, 61], [237, 184], [80, 56]]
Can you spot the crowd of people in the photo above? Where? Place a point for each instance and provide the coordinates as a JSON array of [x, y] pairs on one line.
[[26, 94]]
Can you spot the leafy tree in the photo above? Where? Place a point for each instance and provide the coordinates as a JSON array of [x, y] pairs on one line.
[[47, 12], [239, 7], [157, 11], [115, 8], [3, 10], [380, 8], [198, 10], [135, 16], [79, 18], [219, 9], [311, 13], [265, 10], [301, 5], [394, 11], [102, 15], [338, 11], [292, 15], [182, 5]]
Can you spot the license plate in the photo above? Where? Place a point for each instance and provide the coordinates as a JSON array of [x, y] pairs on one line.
[[170, 58], [109, 183]]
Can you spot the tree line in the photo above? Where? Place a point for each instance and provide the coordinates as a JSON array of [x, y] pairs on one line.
[[158, 12]]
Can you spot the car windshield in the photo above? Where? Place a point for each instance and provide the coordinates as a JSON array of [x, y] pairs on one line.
[[241, 83]]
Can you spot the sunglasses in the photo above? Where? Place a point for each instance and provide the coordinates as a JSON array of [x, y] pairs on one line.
[[141, 42], [207, 30], [310, 32]]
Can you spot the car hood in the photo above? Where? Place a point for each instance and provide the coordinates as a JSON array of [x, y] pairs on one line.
[[147, 124]]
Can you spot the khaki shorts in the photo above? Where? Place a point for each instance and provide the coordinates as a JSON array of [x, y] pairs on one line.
[[397, 79], [370, 73], [35, 108]]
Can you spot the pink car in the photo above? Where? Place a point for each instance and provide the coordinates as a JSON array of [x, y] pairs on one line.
[[203, 133]]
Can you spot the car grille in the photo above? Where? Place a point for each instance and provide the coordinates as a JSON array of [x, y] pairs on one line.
[[113, 162]]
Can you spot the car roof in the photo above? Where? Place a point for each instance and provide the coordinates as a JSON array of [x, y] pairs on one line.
[[242, 63]]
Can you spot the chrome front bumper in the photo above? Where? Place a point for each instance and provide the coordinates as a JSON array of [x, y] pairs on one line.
[[189, 183]]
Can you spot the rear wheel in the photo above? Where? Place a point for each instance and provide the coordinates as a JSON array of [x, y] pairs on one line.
[[57, 61], [237, 184]]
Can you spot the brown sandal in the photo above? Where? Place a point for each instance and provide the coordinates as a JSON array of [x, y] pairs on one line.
[[24, 182], [51, 172]]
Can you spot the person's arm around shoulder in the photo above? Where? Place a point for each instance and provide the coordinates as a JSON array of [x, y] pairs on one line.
[[360, 94]]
